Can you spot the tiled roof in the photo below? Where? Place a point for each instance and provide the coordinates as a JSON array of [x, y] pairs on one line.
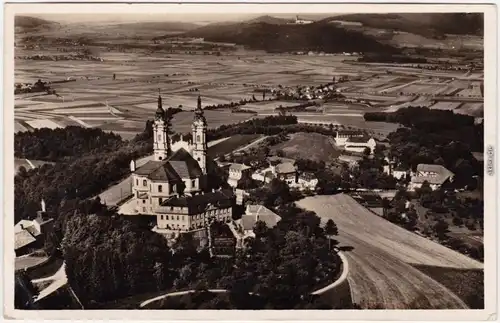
[[239, 167], [358, 140], [23, 238], [185, 165], [180, 165], [256, 213], [22, 225], [350, 133], [442, 174], [199, 202], [285, 168]]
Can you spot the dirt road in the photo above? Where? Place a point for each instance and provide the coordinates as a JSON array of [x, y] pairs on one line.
[[382, 253]]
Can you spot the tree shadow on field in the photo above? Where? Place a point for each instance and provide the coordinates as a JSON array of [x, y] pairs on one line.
[[346, 248]]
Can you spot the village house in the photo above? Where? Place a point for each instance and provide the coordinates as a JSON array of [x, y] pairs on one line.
[[359, 144], [237, 172], [351, 161], [30, 235], [397, 172], [306, 181], [222, 241], [243, 228], [435, 175]]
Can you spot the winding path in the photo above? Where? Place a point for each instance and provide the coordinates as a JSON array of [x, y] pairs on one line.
[[380, 262]]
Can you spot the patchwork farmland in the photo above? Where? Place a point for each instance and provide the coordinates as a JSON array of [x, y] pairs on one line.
[[119, 93]]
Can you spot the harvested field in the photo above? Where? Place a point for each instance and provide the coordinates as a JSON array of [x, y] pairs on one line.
[[442, 105], [309, 146], [231, 144], [471, 292], [381, 256]]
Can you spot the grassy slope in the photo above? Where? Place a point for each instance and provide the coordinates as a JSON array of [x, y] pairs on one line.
[[231, 144], [308, 146], [468, 284]]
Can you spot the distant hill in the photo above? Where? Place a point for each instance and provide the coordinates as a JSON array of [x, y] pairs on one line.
[[289, 37], [26, 23], [167, 26], [270, 20], [425, 24]]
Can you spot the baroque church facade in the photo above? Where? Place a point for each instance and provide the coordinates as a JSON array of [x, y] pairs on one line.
[[173, 186]]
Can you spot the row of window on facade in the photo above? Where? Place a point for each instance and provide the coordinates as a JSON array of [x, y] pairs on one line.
[[195, 217], [160, 187], [185, 227]]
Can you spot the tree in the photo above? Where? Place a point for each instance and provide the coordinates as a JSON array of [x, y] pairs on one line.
[[330, 230], [441, 228], [260, 229]]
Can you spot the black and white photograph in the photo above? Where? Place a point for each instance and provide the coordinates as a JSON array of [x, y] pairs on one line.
[[271, 158]]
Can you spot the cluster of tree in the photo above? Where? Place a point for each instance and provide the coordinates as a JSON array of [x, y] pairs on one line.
[[239, 110], [38, 86], [296, 108], [231, 105], [292, 37], [281, 265], [396, 59], [80, 173], [436, 25], [435, 137], [267, 125], [226, 301], [62, 143], [444, 209], [110, 257]]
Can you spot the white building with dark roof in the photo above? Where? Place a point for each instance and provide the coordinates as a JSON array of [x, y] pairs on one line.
[[435, 175], [173, 186], [342, 136], [237, 172], [243, 228], [359, 144]]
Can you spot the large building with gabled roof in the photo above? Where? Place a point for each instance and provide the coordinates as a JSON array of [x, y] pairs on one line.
[[173, 186]]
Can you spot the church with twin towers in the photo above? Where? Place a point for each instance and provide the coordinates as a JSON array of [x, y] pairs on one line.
[[173, 186]]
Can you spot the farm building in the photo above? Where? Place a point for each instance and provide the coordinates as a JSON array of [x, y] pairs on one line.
[[341, 137], [435, 175], [359, 144], [243, 228], [30, 235], [395, 171]]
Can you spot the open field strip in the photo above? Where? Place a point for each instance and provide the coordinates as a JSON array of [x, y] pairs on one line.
[[19, 127], [442, 105], [382, 255], [43, 123], [80, 122]]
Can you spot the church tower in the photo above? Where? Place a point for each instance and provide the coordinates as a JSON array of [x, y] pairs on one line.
[[200, 137], [161, 142]]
